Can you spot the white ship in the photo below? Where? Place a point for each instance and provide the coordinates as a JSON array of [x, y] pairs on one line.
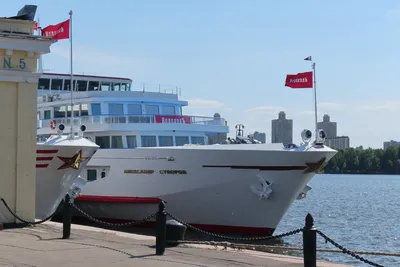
[[150, 151], [59, 161]]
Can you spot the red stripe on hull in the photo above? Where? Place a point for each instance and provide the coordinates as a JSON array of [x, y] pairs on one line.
[[42, 165], [46, 151], [256, 231], [43, 158], [115, 199]]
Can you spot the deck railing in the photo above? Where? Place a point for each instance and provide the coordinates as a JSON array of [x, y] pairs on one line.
[[128, 119]]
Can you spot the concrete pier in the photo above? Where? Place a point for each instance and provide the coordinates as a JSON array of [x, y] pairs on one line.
[[88, 246], [19, 51]]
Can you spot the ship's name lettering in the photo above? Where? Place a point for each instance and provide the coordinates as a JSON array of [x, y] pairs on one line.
[[298, 80], [52, 33], [139, 171], [173, 172], [173, 120]]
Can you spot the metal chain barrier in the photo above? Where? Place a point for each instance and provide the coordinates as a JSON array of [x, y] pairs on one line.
[[346, 251], [91, 218], [236, 238], [59, 208], [276, 247], [341, 248], [161, 247]]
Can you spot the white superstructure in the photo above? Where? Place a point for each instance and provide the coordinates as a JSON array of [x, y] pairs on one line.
[[149, 150]]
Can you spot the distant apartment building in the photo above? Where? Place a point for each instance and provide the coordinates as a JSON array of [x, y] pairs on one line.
[[282, 130], [338, 142], [328, 126], [391, 143], [218, 138], [262, 137]]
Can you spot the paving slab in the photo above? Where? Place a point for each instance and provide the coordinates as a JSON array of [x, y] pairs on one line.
[[42, 246]]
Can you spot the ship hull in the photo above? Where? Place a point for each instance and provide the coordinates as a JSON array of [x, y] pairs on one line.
[[56, 171], [217, 190]]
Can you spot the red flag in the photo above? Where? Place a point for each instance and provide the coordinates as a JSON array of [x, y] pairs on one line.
[[308, 58], [58, 32], [299, 80], [35, 26]]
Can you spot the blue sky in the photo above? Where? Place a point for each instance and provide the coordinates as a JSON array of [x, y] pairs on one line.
[[232, 56]]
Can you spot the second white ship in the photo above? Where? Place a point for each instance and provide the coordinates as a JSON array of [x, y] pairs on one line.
[[150, 151]]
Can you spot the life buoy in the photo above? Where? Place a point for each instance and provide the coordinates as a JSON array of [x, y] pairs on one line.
[[53, 124]]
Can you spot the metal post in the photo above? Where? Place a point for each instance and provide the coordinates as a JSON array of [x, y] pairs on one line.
[[66, 218], [315, 100], [72, 74], [310, 242], [161, 229]]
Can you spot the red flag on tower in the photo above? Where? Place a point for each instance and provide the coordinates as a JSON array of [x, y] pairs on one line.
[[58, 31]]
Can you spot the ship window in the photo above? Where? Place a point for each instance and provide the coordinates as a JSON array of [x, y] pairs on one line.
[[128, 87], [84, 110], [131, 141], [91, 175], [123, 87], [115, 87], [181, 140], [115, 109], [103, 141], [56, 84], [96, 109], [134, 109], [116, 142], [166, 140], [148, 141], [47, 114], [59, 112], [152, 110], [199, 140], [168, 110], [93, 86], [76, 111], [44, 84], [105, 86], [103, 174], [82, 85], [67, 84]]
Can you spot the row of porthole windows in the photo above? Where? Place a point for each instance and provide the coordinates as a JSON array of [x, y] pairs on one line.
[[80, 85], [113, 109], [131, 141]]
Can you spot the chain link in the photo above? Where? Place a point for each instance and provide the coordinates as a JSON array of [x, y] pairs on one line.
[[290, 233], [59, 208], [113, 224], [346, 251], [236, 238]]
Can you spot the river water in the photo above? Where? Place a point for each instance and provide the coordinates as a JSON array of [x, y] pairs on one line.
[[360, 212]]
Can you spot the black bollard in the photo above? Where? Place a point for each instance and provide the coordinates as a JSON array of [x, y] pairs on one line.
[[310, 242], [175, 232], [161, 229], [66, 218]]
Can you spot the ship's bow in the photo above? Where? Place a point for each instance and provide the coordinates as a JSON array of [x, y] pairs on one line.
[[59, 162]]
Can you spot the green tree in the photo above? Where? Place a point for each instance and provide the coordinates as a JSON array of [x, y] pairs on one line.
[[367, 161]]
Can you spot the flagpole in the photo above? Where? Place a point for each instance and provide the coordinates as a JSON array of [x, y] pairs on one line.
[[315, 99], [39, 29], [72, 76]]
